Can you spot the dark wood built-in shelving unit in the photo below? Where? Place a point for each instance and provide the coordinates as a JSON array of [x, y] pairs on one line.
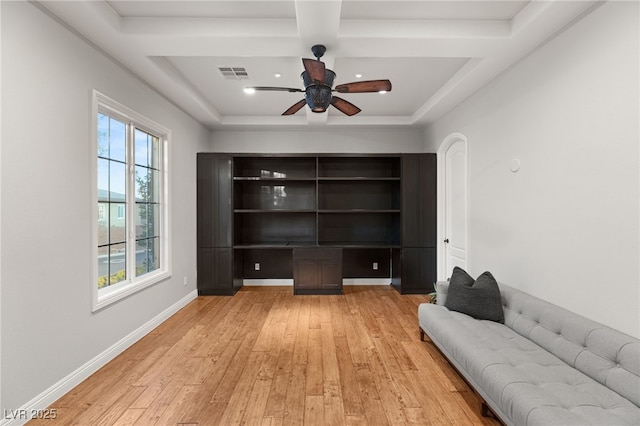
[[300, 215]]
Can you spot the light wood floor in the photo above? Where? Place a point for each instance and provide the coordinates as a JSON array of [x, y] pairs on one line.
[[266, 357]]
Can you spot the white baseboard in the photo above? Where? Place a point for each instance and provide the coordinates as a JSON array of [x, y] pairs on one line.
[[268, 282], [289, 282], [59, 389], [366, 281]]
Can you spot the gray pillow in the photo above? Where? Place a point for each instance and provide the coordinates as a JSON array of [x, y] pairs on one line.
[[479, 299]]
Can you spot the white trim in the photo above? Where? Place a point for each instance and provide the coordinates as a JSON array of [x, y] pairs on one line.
[[63, 386], [440, 158], [289, 282], [366, 281], [1, 404], [268, 282], [106, 296]]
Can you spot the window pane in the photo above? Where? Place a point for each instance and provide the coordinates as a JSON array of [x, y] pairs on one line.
[[103, 224], [154, 195], [103, 266], [103, 180], [103, 136], [154, 152], [142, 257], [153, 220], [142, 147], [117, 226], [117, 181], [117, 143], [141, 220], [154, 254], [143, 184], [117, 263]]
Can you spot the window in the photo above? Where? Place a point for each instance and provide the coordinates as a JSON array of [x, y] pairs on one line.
[[131, 233]]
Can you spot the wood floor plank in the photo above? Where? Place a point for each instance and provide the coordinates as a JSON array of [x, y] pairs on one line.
[[240, 397], [267, 357], [348, 381], [371, 401], [160, 404], [280, 385], [296, 396], [302, 333], [314, 377], [314, 410], [129, 417]]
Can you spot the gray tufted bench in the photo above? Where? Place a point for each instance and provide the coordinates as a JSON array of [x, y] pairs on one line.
[[544, 365]]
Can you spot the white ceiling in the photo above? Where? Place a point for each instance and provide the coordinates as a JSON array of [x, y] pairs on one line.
[[436, 53]]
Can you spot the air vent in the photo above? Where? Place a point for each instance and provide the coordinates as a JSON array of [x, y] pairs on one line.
[[234, 73]]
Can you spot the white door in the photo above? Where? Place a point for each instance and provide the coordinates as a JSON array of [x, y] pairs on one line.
[[453, 205]]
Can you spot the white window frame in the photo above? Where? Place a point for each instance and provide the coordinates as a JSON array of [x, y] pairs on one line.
[[132, 284]]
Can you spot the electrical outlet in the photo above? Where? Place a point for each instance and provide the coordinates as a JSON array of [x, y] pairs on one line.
[[375, 266], [185, 280], [256, 266]]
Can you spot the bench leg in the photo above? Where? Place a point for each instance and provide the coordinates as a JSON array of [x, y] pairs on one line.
[[484, 410], [422, 335]]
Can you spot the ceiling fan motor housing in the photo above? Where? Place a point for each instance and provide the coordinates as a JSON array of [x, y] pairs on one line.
[[318, 96]]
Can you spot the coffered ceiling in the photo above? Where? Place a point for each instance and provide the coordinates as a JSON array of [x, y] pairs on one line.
[[436, 53]]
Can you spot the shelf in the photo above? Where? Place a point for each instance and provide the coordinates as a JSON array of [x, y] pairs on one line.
[[363, 245], [359, 194], [357, 211], [274, 229], [365, 229], [351, 167], [291, 168], [271, 194], [274, 246], [272, 179], [357, 179], [278, 211]]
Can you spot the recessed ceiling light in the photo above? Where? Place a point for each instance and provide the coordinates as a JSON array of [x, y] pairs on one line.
[[277, 75], [382, 92], [358, 75], [249, 90]]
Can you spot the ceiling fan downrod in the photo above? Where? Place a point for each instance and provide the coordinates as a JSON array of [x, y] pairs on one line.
[[318, 50]]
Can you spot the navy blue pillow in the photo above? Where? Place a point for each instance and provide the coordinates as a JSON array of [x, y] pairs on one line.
[[479, 299]]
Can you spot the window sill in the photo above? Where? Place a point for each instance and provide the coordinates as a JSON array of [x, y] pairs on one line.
[[109, 295]]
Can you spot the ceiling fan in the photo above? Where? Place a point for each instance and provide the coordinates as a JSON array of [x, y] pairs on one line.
[[318, 81]]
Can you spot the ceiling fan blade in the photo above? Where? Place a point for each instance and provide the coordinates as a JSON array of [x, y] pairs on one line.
[[345, 107], [315, 69], [274, 89], [364, 86], [295, 107]]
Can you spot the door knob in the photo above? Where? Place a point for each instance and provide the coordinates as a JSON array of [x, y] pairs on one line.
[[446, 241]]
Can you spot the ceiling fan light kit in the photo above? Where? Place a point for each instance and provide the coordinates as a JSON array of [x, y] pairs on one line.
[[318, 83]]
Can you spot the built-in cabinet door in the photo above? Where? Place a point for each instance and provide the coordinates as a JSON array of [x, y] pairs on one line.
[[306, 273], [418, 270], [330, 276], [214, 208], [215, 271], [317, 270], [419, 200]]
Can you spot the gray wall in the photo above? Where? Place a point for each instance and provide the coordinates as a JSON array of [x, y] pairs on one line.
[[566, 227], [48, 329]]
